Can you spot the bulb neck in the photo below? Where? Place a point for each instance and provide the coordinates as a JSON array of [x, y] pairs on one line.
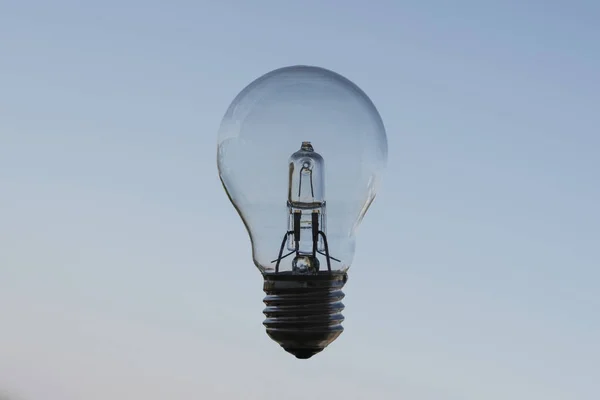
[[304, 312]]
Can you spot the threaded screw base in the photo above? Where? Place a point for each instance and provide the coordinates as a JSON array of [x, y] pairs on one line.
[[304, 312]]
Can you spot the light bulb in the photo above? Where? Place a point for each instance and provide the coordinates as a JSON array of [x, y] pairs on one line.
[[300, 153]]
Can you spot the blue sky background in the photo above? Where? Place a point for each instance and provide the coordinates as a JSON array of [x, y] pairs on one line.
[[125, 272]]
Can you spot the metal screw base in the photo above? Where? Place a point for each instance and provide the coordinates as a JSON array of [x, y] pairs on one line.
[[304, 312]]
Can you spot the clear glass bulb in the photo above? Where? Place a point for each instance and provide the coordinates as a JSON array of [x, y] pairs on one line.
[[300, 153]]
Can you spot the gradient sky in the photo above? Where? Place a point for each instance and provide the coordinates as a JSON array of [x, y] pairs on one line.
[[125, 273]]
